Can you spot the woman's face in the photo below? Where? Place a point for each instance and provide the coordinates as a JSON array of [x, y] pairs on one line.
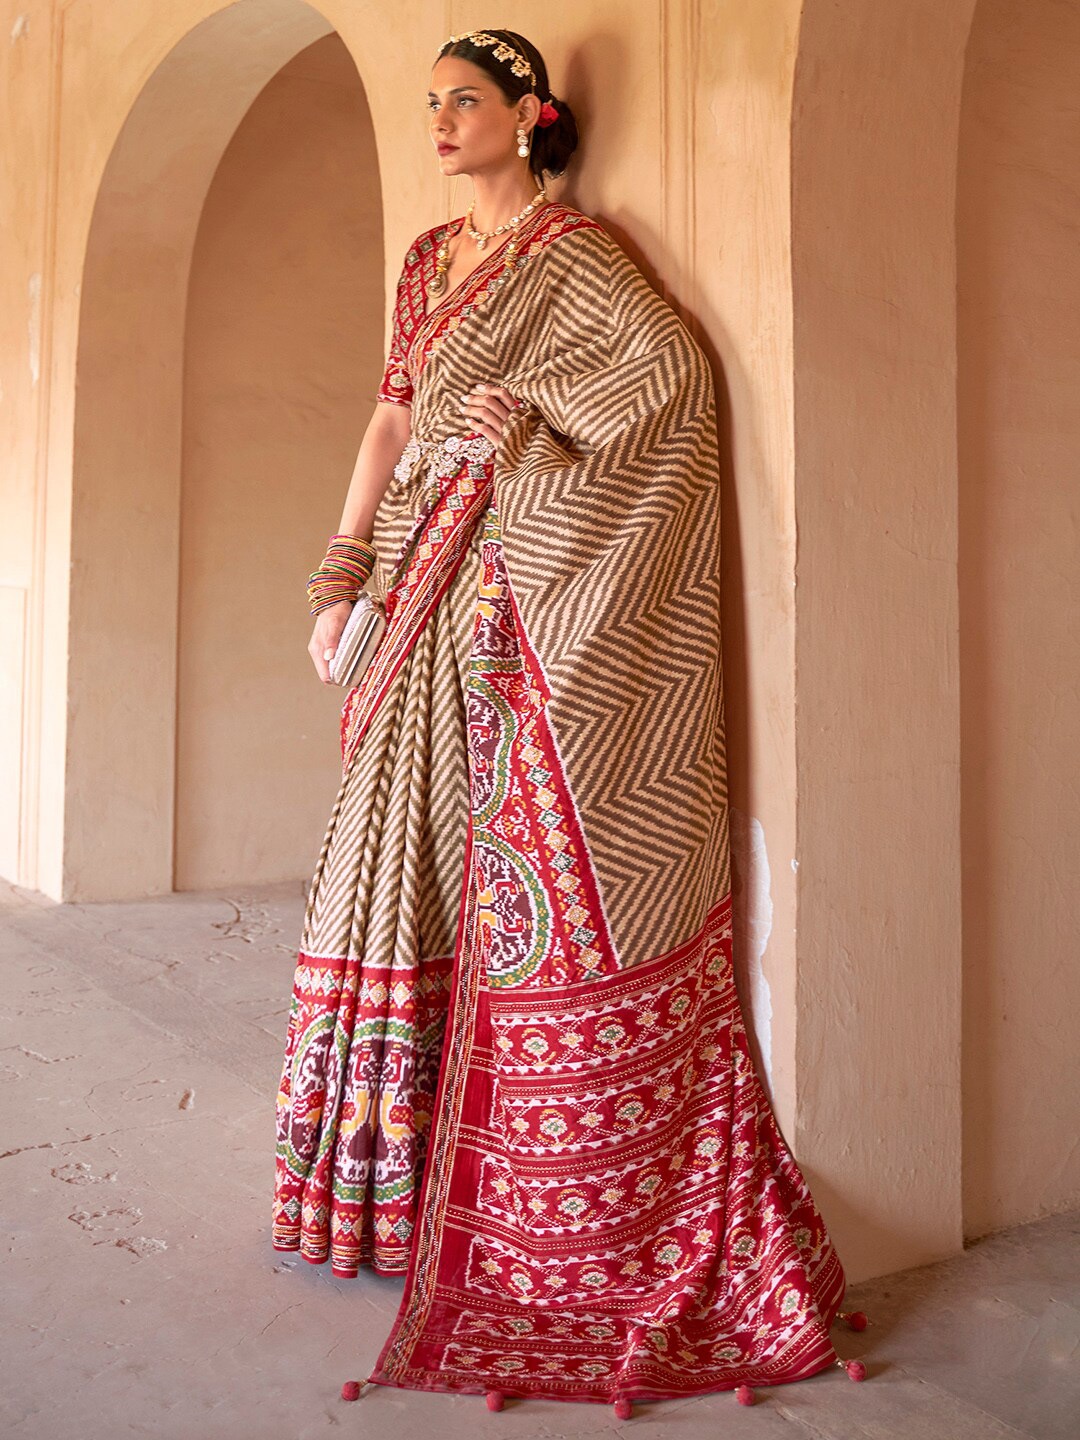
[[470, 113]]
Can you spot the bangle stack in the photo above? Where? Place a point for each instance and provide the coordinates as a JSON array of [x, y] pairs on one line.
[[343, 573]]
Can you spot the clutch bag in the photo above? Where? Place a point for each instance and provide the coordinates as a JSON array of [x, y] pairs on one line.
[[359, 641]]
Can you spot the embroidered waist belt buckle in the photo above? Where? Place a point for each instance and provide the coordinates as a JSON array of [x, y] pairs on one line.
[[444, 457], [414, 452]]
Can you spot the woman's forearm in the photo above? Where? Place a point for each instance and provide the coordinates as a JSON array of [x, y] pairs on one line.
[[384, 439]]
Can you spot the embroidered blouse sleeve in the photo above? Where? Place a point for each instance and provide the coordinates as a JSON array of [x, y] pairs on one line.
[[396, 386]]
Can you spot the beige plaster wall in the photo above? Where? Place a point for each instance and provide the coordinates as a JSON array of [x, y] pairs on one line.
[[876, 111], [282, 359], [1018, 238], [27, 179]]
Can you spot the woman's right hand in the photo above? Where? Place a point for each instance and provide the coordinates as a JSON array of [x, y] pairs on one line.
[[329, 624]]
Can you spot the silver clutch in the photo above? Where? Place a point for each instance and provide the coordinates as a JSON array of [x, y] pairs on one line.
[[359, 641]]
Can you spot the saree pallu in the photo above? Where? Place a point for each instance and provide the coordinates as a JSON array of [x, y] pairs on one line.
[[607, 1207]]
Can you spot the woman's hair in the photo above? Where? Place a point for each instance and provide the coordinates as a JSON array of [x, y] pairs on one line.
[[551, 145]]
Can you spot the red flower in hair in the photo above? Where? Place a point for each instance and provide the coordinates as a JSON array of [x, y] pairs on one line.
[[548, 115]]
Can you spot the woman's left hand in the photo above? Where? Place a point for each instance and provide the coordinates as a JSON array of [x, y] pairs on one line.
[[488, 406]]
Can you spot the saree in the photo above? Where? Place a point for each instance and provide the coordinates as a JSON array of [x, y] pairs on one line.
[[516, 1066]]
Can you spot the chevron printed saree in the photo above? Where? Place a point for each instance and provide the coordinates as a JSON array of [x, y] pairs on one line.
[[516, 1068]]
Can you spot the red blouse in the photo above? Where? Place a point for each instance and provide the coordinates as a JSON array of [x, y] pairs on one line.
[[415, 336]]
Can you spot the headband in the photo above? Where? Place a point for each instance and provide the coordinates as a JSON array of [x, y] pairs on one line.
[[518, 64]]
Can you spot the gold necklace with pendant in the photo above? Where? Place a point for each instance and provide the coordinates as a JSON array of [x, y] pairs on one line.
[[437, 284]]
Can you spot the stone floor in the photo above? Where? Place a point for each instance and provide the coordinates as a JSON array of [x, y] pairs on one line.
[[140, 1054]]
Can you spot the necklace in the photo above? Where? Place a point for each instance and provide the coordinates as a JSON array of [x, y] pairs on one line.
[[482, 238], [437, 284]]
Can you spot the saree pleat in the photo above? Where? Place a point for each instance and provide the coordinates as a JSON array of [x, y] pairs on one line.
[[370, 994], [516, 1066]]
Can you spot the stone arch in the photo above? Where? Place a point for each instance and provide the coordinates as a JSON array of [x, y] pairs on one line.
[[118, 828]]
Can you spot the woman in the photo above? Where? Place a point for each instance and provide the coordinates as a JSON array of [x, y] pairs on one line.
[[516, 1069]]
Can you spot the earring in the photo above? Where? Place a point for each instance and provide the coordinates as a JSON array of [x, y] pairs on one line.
[[523, 143]]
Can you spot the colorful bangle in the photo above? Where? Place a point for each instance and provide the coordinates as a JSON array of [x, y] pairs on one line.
[[343, 573]]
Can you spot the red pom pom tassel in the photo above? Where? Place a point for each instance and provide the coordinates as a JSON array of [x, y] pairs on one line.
[[495, 1399], [350, 1390], [744, 1395], [623, 1408], [855, 1319], [856, 1370]]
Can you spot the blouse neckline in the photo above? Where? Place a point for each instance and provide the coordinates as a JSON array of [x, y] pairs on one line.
[[494, 255]]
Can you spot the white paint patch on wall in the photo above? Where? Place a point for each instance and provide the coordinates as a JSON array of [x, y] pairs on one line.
[[33, 326], [749, 854]]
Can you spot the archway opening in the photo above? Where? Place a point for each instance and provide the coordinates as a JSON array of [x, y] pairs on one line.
[[280, 375], [242, 443]]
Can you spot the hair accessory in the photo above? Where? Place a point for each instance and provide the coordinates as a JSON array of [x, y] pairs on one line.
[[548, 114], [503, 51]]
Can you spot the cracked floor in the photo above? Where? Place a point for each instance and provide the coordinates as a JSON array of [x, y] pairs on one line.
[[139, 1057]]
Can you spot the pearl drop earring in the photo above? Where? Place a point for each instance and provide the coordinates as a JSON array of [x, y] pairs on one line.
[[523, 143]]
